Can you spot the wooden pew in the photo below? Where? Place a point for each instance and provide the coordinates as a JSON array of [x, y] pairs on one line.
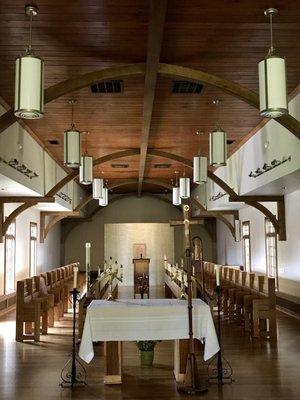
[[28, 312]]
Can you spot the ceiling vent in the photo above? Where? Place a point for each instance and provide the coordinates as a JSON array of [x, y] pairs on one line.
[[119, 165], [186, 87], [162, 166], [230, 141], [115, 86], [53, 141]]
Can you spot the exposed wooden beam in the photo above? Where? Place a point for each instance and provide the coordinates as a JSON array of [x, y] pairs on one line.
[[25, 199], [154, 42], [54, 220], [227, 86], [79, 82], [97, 161], [9, 219], [260, 198]]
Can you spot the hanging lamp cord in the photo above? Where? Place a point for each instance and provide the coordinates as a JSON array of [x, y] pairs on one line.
[[29, 48]]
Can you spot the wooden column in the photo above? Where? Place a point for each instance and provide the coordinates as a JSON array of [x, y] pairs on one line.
[[181, 349]]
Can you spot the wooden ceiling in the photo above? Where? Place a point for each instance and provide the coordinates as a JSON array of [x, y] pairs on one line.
[[225, 38]]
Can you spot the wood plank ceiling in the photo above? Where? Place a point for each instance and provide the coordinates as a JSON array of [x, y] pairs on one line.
[[223, 38]]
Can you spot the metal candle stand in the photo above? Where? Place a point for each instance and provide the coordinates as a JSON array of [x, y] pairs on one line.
[[73, 373], [216, 370]]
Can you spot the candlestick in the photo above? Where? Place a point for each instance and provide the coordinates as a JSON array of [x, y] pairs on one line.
[[75, 272], [217, 270], [87, 265]]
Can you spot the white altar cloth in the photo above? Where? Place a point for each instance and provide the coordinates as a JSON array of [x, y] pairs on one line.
[[148, 319]]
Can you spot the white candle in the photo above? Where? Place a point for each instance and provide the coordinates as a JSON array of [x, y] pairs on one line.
[[182, 263], [75, 271], [99, 272], [105, 265], [217, 270]]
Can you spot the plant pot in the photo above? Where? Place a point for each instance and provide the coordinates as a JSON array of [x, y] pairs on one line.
[[147, 358]]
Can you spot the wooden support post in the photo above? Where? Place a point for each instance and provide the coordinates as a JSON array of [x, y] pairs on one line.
[[113, 363], [181, 349]]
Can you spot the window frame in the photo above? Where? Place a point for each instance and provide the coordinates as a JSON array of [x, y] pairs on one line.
[[246, 223], [13, 237], [34, 238], [271, 235]]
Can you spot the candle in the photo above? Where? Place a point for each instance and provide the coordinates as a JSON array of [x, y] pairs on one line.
[[75, 271], [99, 272], [88, 253], [181, 262], [217, 270], [105, 266]]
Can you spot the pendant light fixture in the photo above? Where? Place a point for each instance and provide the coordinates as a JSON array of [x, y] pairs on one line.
[[86, 167], [176, 200], [184, 187], [72, 144], [98, 188], [29, 79], [218, 142], [200, 169], [104, 200], [273, 100]]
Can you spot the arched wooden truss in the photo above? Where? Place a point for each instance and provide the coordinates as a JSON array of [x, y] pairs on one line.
[[225, 85], [81, 81]]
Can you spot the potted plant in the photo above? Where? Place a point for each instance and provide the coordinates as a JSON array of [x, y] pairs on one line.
[[146, 348]]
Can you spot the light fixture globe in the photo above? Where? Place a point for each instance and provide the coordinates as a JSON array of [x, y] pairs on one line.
[[176, 200], [218, 148], [200, 170], [98, 188], [273, 101], [184, 187], [104, 200], [86, 170], [29, 80], [72, 148]]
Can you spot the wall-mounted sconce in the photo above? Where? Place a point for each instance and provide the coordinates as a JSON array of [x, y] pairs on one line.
[[22, 168], [266, 167], [64, 197], [217, 196]]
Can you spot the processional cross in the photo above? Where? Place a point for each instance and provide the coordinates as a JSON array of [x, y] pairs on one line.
[[192, 383]]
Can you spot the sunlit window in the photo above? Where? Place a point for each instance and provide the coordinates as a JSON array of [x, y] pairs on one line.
[[33, 249], [10, 258], [246, 245], [271, 251]]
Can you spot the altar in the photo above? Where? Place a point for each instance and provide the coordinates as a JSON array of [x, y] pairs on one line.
[[149, 319]]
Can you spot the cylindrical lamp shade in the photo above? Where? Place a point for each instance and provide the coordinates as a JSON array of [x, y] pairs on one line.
[[72, 147], [218, 148], [86, 170], [104, 200], [176, 200], [98, 188], [273, 100], [29, 87], [184, 188], [200, 169]]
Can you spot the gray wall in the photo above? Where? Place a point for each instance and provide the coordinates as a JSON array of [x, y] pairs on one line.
[[132, 209]]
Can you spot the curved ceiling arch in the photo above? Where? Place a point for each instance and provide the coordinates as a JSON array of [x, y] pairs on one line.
[[170, 70]]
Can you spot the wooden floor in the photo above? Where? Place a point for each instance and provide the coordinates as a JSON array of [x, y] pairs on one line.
[[32, 371]]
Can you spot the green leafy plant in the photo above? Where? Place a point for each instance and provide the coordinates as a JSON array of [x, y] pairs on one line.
[[146, 345]]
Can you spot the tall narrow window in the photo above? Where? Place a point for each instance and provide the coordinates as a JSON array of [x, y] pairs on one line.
[[32, 249], [10, 258], [271, 251], [246, 245]]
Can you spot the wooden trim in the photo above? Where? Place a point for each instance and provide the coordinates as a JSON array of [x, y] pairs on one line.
[[25, 199], [154, 42]]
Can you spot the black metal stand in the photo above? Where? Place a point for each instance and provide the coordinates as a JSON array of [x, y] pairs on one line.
[[216, 370], [73, 373], [192, 384]]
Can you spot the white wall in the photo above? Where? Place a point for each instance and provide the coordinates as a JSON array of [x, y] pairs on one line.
[[158, 237], [230, 252], [48, 253]]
